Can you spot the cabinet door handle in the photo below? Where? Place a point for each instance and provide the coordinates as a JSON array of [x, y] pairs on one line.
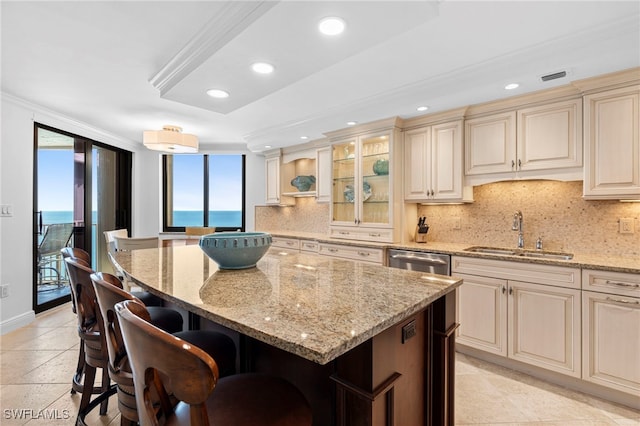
[[520, 164], [513, 164], [510, 290], [627, 302], [504, 289], [621, 284], [332, 250]]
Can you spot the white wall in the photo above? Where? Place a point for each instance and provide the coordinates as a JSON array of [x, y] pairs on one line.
[[16, 189]]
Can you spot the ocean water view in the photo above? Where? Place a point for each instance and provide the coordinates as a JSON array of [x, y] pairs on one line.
[[217, 218]]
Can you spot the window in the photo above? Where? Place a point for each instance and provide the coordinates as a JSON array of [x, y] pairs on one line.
[[203, 190]]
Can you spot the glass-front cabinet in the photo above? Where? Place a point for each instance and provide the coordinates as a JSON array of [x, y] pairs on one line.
[[363, 187]]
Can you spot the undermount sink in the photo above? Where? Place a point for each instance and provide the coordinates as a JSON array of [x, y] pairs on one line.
[[547, 255], [519, 252], [491, 250]]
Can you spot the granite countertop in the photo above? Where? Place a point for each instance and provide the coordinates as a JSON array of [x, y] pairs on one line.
[[316, 307], [580, 260]]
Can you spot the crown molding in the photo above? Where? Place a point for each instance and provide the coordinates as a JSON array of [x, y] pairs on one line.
[[48, 116], [612, 80], [231, 20]]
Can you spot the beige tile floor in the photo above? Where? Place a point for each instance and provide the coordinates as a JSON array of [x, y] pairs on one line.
[[35, 378]]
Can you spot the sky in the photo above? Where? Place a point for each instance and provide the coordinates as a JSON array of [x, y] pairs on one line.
[[55, 181]]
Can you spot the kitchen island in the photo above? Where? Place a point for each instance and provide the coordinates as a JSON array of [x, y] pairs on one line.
[[366, 344]]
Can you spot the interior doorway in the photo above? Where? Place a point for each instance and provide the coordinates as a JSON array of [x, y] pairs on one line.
[[81, 188]]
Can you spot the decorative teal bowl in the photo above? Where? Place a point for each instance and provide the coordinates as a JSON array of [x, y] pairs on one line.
[[236, 250]]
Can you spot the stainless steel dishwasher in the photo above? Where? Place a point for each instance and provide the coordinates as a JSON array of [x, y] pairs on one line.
[[433, 263]]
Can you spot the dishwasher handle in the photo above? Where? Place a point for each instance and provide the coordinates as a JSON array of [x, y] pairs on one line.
[[412, 257]]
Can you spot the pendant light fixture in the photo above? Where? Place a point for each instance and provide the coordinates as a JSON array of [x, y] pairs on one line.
[[170, 139]]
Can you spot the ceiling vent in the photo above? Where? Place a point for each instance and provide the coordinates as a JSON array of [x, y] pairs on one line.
[[553, 76]]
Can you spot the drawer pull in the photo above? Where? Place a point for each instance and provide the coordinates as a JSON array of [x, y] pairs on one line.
[[332, 250], [628, 302], [374, 234], [621, 284], [344, 233], [364, 253], [290, 243]]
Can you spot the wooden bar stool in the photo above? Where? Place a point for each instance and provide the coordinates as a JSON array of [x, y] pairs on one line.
[[159, 361], [110, 238], [76, 381], [109, 292], [91, 333]]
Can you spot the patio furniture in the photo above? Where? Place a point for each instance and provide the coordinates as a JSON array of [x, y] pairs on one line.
[[56, 237]]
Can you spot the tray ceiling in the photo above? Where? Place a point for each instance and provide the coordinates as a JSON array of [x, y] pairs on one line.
[[126, 67]]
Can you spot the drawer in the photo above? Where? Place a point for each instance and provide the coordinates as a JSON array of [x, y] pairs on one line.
[[560, 276], [309, 246], [365, 254], [290, 244], [611, 282], [383, 235]]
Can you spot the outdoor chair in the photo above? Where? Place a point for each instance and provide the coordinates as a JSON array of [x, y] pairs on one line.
[[56, 237]]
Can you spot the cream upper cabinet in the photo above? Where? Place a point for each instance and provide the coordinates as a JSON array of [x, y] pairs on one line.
[[364, 168], [526, 312], [323, 175], [535, 139], [272, 180], [612, 144], [490, 144], [550, 136], [433, 164]]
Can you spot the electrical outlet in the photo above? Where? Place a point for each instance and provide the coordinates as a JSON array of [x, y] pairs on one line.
[[626, 225], [456, 223], [5, 291]]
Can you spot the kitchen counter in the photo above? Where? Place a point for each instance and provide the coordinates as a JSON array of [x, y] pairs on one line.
[[312, 306], [361, 341], [580, 260]]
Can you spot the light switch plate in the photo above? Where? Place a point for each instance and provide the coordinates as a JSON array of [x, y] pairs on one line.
[[6, 210]]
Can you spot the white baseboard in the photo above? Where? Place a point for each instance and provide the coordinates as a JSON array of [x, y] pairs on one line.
[[17, 322]]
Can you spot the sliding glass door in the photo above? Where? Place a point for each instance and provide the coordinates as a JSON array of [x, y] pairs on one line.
[[81, 188]]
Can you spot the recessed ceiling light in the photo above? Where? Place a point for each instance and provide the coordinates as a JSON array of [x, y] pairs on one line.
[[262, 68], [217, 93], [267, 146], [304, 137], [511, 86], [422, 108], [331, 26], [351, 123]]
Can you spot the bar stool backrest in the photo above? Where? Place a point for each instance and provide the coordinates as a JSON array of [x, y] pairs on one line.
[[156, 356]]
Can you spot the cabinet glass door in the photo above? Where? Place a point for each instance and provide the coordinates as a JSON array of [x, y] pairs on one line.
[[375, 179], [345, 195]]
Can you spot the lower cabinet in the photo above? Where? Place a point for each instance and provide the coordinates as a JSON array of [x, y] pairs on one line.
[[611, 330], [537, 323]]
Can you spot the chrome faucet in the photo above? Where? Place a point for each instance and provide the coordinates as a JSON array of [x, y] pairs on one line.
[[517, 226]]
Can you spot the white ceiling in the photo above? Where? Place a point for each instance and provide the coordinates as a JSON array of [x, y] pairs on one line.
[[125, 67]]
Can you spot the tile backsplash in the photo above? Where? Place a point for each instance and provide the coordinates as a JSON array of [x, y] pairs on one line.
[[552, 210], [305, 216]]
